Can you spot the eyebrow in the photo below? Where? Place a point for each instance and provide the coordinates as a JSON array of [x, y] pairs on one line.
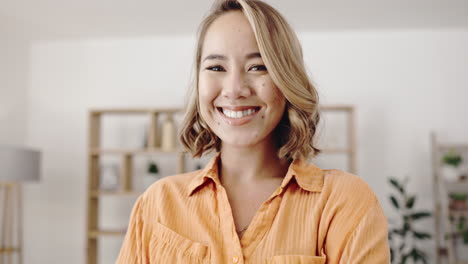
[[222, 57]]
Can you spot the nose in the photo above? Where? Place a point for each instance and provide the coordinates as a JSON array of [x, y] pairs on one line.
[[235, 86]]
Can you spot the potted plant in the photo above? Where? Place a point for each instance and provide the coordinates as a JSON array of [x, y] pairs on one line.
[[451, 160], [461, 237], [402, 235], [152, 174], [458, 201]]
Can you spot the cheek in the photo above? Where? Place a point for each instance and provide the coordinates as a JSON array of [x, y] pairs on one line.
[[207, 92], [271, 94]]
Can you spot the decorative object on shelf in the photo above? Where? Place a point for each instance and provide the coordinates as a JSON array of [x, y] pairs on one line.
[[402, 236], [109, 179], [458, 201], [460, 234], [127, 156], [451, 161], [152, 174], [449, 200], [145, 138], [168, 134], [17, 166]]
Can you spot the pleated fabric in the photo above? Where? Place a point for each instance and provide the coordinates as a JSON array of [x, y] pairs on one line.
[[315, 216]]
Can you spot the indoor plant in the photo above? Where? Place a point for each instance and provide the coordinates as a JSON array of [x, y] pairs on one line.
[[451, 160], [402, 236], [152, 174], [460, 234], [458, 201]]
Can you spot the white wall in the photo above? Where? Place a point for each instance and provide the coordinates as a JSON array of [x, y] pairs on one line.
[[404, 84], [14, 73]]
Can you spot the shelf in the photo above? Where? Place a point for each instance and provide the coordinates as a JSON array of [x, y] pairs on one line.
[[126, 111], [337, 108], [456, 187], [337, 150], [97, 151], [448, 147], [446, 219], [98, 233], [458, 213], [127, 156], [9, 250], [96, 194]]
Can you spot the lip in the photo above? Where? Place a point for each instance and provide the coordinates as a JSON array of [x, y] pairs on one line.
[[238, 121], [239, 107]]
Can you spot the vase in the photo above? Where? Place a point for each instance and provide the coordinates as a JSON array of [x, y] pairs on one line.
[[450, 173], [109, 179], [168, 135]]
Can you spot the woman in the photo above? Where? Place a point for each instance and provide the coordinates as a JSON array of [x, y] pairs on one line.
[[257, 200]]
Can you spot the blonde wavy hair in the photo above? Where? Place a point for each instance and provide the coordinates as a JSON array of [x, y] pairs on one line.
[[282, 53]]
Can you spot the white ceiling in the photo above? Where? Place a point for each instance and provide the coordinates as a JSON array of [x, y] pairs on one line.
[[51, 19]]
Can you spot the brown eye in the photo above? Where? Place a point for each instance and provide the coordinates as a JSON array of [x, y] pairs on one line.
[[258, 68], [215, 68]]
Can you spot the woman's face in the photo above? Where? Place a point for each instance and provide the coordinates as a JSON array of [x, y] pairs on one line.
[[237, 97]]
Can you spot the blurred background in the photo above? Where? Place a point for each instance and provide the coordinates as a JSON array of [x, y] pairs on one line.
[[401, 65]]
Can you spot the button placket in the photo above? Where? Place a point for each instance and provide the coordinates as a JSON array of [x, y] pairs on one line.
[[228, 227]]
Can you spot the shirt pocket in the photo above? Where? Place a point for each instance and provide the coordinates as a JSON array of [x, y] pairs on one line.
[[297, 259], [169, 247]]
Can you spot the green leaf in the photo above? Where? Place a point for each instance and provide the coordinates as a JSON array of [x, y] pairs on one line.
[[392, 255], [397, 185], [402, 246], [410, 202], [394, 202], [415, 256], [465, 237], [421, 255], [153, 168], [405, 258], [452, 158], [419, 215], [421, 235]]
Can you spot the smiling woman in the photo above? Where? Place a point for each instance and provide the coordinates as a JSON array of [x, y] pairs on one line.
[[258, 200]]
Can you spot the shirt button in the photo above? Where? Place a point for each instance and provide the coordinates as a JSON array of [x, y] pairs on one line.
[[235, 259]]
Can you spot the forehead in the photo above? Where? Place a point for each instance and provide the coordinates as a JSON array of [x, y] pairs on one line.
[[230, 33]]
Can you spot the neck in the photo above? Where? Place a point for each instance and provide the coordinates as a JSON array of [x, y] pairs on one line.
[[252, 163]]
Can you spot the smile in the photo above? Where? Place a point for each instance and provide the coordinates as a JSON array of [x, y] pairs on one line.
[[238, 115]]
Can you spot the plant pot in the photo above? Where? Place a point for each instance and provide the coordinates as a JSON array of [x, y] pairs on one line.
[[458, 205], [450, 173]]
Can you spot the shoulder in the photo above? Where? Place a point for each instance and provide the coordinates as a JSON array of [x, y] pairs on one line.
[[171, 185], [346, 187], [347, 199]]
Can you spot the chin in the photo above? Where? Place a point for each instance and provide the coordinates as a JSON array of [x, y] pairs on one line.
[[241, 141]]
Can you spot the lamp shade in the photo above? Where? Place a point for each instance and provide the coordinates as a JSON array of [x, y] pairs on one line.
[[19, 164]]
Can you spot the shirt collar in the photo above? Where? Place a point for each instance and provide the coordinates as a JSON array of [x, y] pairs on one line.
[[308, 176]]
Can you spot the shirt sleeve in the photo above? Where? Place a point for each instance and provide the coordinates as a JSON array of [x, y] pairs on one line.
[[369, 241], [135, 245]]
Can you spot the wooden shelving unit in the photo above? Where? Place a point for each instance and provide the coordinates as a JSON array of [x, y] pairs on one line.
[[95, 152], [350, 133], [126, 188], [445, 231]]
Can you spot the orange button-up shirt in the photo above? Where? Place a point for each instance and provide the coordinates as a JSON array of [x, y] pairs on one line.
[[315, 216]]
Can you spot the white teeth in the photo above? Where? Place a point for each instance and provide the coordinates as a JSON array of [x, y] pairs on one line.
[[238, 114]]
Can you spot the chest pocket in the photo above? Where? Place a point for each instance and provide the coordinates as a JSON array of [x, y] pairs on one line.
[[297, 259], [169, 247]]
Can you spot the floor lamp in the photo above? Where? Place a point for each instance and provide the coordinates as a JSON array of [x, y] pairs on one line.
[[17, 165]]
